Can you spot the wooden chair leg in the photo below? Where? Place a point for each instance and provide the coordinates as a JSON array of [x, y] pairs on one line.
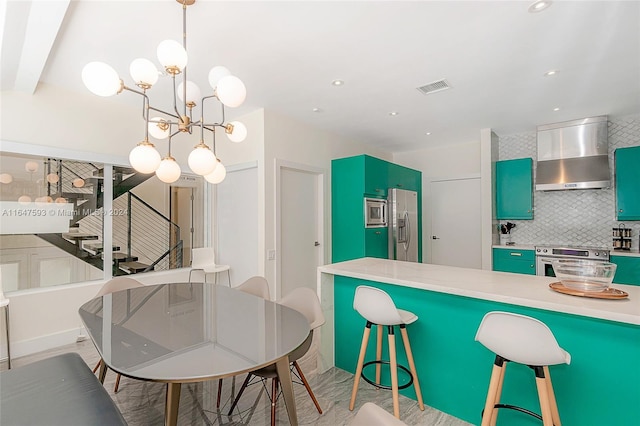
[[552, 398], [394, 372], [494, 383], [219, 393], [494, 415], [356, 378], [543, 396], [379, 330], [412, 366], [96, 367], [242, 388], [306, 385], [115, 388], [274, 399]]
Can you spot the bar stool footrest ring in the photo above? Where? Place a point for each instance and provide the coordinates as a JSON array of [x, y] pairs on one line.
[[371, 382], [516, 408]]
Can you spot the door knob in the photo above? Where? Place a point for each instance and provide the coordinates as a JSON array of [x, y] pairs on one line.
[[435, 238], [316, 244]]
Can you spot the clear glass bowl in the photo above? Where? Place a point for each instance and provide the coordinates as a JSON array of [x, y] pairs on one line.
[[584, 275]]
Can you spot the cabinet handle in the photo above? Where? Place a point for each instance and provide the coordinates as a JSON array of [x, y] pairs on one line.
[[620, 210], [515, 254], [378, 190], [378, 232], [399, 185]]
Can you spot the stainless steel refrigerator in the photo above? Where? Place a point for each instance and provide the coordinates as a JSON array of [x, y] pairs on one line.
[[403, 224]]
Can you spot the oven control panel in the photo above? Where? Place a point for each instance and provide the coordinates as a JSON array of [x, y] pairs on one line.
[[573, 252]]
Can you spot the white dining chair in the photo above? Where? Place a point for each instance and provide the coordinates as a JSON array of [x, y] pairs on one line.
[[372, 415], [305, 301], [203, 259], [111, 286]]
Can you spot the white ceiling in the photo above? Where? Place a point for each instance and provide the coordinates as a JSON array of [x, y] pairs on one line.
[[493, 54]]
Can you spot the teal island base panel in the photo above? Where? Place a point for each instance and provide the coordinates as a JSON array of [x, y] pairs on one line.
[[600, 387]]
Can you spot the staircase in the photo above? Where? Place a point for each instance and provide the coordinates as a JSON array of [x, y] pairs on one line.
[[143, 238]]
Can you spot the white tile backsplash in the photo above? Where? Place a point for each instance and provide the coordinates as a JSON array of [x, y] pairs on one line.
[[572, 217]]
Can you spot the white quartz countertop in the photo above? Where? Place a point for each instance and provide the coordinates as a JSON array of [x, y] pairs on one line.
[[516, 289]]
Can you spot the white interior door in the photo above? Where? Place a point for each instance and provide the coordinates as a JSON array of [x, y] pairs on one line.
[[456, 223], [300, 228], [236, 231]]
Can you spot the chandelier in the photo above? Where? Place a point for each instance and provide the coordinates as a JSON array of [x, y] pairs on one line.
[[101, 79]]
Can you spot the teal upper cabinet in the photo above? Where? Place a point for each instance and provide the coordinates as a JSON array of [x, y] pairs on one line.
[[514, 189], [404, 178], [627, 161], [375, 176]]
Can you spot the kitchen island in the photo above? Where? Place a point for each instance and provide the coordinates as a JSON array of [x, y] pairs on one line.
[[601, 386]]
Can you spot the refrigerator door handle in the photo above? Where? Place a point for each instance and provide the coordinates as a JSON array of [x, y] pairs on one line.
[[408, 225]]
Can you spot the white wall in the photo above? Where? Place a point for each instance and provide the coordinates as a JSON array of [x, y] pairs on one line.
[[454, 161]]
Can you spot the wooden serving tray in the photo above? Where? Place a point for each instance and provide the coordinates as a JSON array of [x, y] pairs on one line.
[[610, 293]]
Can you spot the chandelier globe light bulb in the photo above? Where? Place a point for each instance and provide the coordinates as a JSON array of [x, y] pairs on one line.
[[239, 132], [159, 128], [193, 93], [172, 56], [202, 160], [31, 166], [6, 178], [231, 91], [61, 200], [168, 170], [78, 183], [143, 72], [216, 74], [144, 157], [218, 174], [24, 199], [53, 178], [101, 79]]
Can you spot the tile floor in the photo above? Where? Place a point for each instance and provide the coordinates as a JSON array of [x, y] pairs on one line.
[[142, 403]]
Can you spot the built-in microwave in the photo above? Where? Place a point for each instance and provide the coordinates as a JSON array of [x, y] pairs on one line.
[[375, 213]]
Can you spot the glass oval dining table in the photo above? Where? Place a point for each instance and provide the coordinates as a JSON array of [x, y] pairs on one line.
[[192, 332]]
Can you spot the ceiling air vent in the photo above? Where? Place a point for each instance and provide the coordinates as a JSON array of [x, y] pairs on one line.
[[435, 86]]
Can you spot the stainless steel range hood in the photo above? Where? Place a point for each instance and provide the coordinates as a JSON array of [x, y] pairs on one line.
[[573, 155]]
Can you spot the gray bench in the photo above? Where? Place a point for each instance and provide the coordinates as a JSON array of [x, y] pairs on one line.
[[60, 390]]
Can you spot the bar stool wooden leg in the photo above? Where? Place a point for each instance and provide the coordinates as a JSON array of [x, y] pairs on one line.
[[380, 330], [356, 378], [494, 415], [552, 398], [274, 399], [494, 383], [394, 372], [543, 396], [412, 365]]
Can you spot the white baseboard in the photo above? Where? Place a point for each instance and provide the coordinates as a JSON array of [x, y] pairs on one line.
[[42, 343]]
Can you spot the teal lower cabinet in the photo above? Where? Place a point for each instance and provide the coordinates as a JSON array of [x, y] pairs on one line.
[[599, 387], [376, 242], [628, 270], [513, 260]]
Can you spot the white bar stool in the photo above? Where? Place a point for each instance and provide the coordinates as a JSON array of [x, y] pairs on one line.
[[524, 340], [377, 307]]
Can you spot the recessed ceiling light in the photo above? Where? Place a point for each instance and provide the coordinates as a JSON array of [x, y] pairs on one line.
[[428, 133], [393, 113], [316, 110], [551, 72], [337, 82], [539, 6], [556, 109]]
